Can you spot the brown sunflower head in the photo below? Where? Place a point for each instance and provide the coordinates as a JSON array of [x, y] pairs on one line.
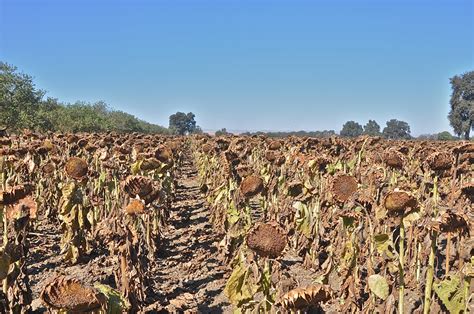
[[48, 168], [25, 206], [149, 164], [135, 207], [267, 239], [304, 298], [138, 185], [14, 194], [72, 139], [399, 202], [71, 295], [251, 186], [439, 161], [207, 148], [393, 159], [164, 154], [76, 168], [450, 222], [468, 189], [274, 145], [343, 187]]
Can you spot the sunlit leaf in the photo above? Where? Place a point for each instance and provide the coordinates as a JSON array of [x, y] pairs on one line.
[[449, 291], [379, 286]]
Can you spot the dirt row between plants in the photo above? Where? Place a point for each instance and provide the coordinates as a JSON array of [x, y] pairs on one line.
[[188, 275]]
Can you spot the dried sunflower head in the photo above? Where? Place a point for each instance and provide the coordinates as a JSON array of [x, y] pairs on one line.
[[164, 154], [439, 161], [150, 164], [25, 206], [135, 207], [70, 294], [274, 145], [451, 222], [76, 168], [267, 239], [48, 168], [343, 187], [251, 186], [468, 190], [304, 298], [14, 194], [138, 185], [393, 159], [207, 148], [399, 202]]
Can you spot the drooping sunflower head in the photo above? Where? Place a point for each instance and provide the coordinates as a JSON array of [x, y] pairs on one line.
[[394, 159], [343, 187], [399, 202], [76, 168], [138, 185], [69, 294], [307, 297], [267, 239], [439, 161], [135, 207], [251, 186]]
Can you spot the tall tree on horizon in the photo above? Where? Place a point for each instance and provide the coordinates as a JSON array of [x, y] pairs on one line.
[[372, 128], [461, 116]]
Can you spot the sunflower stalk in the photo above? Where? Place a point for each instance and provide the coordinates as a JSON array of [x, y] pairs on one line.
[[401, 265], [431, 259]]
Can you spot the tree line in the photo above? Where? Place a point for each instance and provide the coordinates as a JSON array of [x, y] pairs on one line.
[[24, 106]]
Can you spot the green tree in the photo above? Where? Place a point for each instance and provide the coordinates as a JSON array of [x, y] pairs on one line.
[[396, 129], [182, 123], [22, 106], [19, 99], [221, 132], [445, 136], [351, 129], [372, 128], [461, 116]]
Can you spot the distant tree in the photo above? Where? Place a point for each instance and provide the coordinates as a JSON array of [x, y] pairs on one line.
[[351, 129], [22, 106], [445, 136], [427, 137], [19, 98], [182, 123], [396, 129], [221, 132], [198, 130], [372, 128], [461, 116]]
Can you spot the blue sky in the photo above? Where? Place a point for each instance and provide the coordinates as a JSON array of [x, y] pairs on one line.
[[248, 65]]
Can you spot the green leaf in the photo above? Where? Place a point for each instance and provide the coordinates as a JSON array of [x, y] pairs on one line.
[[450, 292], [303, 218], [379, 286], [237, 288], [384, 245], [116, 304], [135, 168]]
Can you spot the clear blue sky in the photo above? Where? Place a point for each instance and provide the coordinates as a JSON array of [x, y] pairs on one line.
[[256, 65]]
